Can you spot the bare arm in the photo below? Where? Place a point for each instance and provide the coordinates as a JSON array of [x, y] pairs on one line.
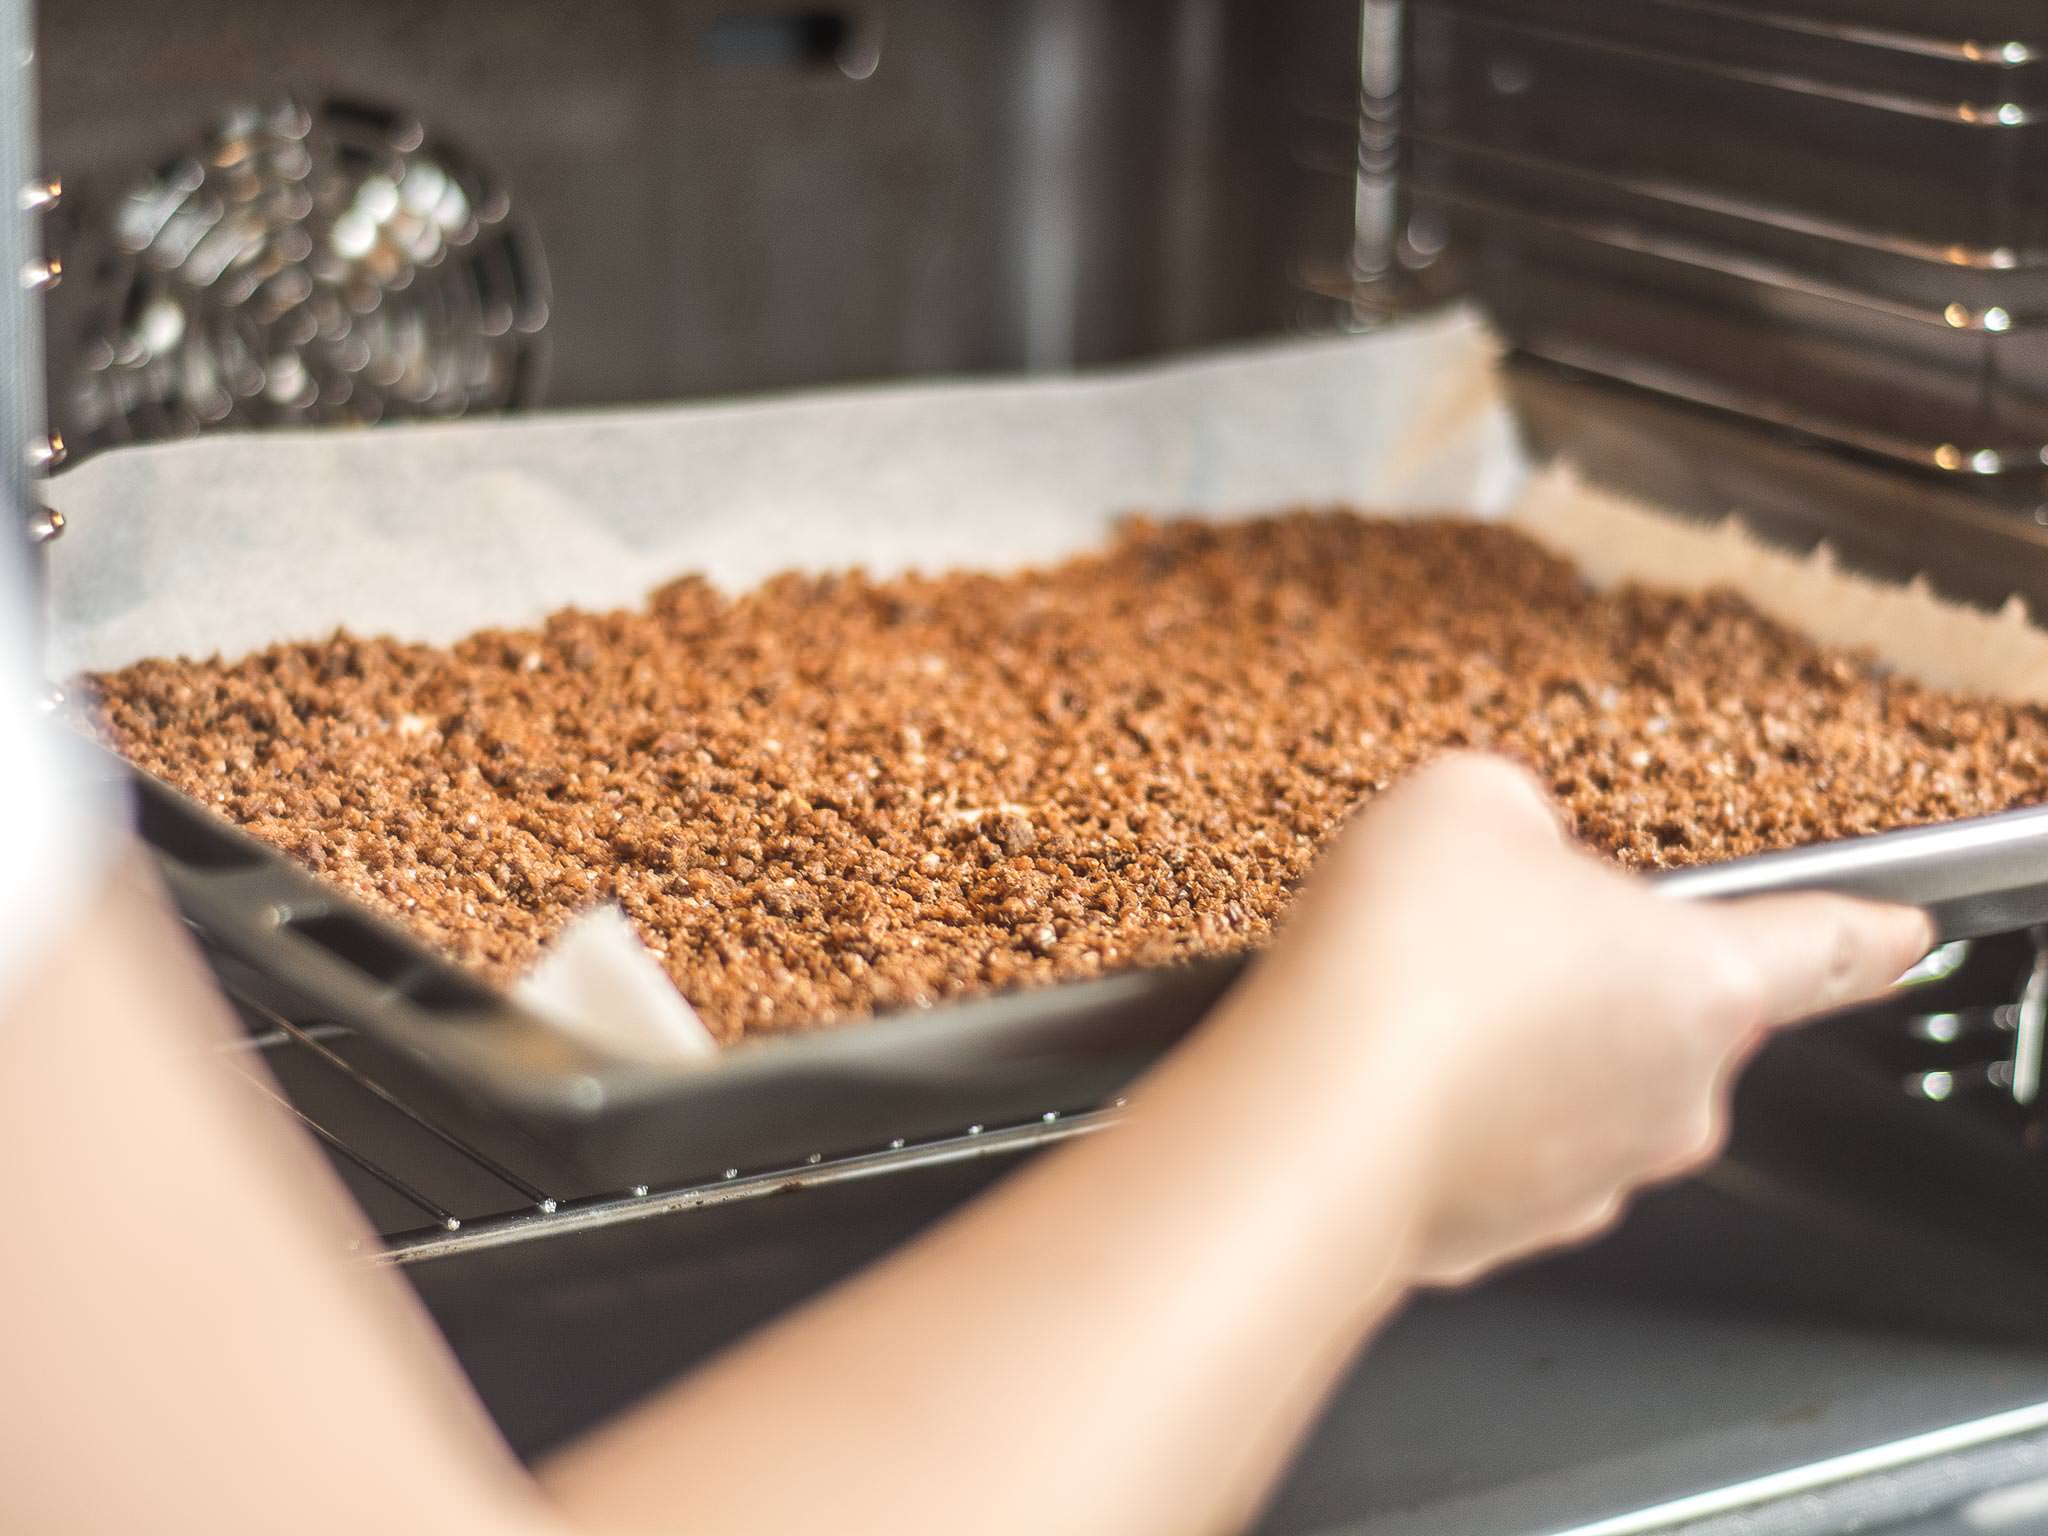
[[188, 1348], [1129, 1336], [1132, 1336]]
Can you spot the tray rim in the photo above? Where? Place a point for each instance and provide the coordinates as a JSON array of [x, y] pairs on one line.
[[1977, 876]]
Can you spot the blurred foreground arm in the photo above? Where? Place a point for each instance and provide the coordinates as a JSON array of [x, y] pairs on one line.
[[1473, 1041], [1469, 1045]]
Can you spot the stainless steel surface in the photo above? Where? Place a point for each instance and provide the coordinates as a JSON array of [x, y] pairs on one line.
[[1724, 1352], [817, 1172], [1709, 301], [1011, 181], [22, 423], [1806, 140], [539, 1199], [1957, 1054], [1983, 548], [1997, 44], [1376, 208], [1903, 446], [341, 1147], [1942, 61], [2030, 1025], [1798, 1496], [1877, 262], [1848, 248], [1977, 877]]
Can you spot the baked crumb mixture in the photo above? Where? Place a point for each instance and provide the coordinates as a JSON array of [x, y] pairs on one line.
[[833, 795]]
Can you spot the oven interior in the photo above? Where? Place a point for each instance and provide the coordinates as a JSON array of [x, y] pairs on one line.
[[1839, 1327]]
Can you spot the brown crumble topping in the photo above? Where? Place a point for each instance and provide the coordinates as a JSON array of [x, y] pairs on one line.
[[834, 795]]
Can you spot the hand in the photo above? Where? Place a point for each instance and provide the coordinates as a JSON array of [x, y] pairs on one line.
[[1469, 1044], [1564, 1033]]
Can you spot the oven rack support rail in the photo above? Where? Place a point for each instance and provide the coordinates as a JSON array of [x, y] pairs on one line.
[[530, 1208], [641, 1203]]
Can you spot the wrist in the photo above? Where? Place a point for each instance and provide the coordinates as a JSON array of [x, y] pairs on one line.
[[1339, 1104]]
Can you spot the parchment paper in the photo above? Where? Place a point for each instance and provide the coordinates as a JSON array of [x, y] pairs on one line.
[[230, 543], [428, 533], [1905, 625]]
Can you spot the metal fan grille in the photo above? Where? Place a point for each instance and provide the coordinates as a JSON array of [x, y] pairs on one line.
[[303, 266]]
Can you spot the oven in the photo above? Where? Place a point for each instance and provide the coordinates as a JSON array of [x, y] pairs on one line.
[[1839, 1326]]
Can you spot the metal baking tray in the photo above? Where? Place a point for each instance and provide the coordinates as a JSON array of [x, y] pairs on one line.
[[947, 1071]]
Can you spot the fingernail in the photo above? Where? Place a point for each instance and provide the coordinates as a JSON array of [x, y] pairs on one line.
[[1873, 954], [1917, 931], [1913, 936]]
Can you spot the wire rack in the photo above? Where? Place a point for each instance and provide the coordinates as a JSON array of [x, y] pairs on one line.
[[430, 1193]]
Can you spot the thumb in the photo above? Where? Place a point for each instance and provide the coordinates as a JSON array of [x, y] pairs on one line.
[[1813, 953]]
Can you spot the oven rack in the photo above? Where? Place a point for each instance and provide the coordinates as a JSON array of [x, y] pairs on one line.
[[371, 1039], [430, 1192]]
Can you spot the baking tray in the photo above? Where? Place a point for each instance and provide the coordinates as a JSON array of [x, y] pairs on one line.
[[953, 1069], [314, 530]]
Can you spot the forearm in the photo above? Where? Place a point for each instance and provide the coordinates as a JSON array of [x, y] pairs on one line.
[[1128, 1336], [191, 1351]]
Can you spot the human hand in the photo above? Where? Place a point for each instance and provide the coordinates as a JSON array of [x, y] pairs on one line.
[[1563, 1033]]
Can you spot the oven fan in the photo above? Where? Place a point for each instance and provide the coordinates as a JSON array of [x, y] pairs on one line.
[[298, 267]]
